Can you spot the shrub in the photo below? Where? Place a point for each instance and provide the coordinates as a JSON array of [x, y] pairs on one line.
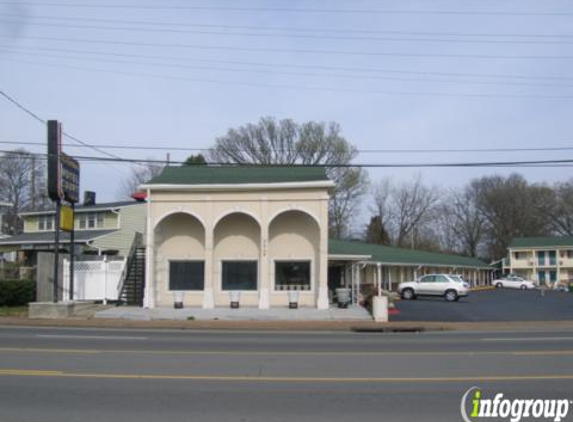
[[17, 292]]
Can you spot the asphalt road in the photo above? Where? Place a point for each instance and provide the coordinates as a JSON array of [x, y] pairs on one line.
[[492, 305], [54, 374]]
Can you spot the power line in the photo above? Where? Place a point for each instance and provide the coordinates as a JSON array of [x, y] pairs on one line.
[[300, 36], [16, 103], [282, 72], [290, 10], [294, 66], [528, 163], [291, 28], [36, 117], [235, 83], [369, 151], [299, 51]]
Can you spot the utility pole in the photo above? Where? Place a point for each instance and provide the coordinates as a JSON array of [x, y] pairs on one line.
[[33, 183]]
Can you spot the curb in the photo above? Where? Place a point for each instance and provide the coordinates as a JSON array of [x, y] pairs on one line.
[[292, 326]]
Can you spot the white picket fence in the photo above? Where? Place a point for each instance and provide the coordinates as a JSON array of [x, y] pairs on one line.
[[94, 280]]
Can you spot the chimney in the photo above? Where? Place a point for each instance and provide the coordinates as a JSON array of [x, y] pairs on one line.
[[89, 198]]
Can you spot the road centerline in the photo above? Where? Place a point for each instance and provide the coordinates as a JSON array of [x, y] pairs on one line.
[[88, 337]]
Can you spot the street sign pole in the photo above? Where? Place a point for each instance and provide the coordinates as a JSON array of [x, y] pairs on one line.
[[56, 250], [72, 252]]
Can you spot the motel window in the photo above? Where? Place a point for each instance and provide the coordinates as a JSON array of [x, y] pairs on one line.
[[91, 220], [292, 275], [186, 275], [520, 255], [239, 275], [46, 222], [570, 254]]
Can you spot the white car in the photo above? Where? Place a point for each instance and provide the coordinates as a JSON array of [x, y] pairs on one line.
[[450, 286], [513, 282]]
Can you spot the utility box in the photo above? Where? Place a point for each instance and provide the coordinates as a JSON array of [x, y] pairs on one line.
[[380, 308]]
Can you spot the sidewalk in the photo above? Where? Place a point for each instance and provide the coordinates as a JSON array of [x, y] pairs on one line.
[[352, 313]]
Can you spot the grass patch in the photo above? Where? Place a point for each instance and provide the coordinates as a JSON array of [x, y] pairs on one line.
[[13, 311]]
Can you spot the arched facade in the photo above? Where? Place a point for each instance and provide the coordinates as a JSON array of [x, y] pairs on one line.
[[263, 241], [294, 252], [179, 244]]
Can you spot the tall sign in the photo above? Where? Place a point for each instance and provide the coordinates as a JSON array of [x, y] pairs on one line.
[[63, 185], [63, 170]]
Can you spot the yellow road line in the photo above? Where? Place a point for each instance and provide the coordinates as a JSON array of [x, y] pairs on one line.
[[283, 353], [47, 350], [60, 374], [31, 373]]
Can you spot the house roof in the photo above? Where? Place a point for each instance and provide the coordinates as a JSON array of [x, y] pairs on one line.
[[80, 236], [237, 175], [541, 241], [86, 208], [392, 255]]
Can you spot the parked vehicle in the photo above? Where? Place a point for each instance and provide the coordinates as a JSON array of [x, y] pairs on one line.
[[513, 282], [450, 286]]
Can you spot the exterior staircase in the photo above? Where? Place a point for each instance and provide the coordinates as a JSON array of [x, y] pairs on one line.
[[132, 283]]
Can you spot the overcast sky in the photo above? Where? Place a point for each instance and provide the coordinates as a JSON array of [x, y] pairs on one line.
[[432, 74]]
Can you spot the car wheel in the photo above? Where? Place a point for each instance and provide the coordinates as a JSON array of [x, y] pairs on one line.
[[451, 295], [523, 287], [408, 294], [499, 286]]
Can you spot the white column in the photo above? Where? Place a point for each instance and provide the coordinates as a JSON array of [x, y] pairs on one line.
[[265, 281], [208, 295], [389, 279], [558, 270], [322, 299], [379, 277], [149, 296]]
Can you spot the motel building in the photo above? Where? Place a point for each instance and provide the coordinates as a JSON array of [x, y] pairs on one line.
[[263, 232]]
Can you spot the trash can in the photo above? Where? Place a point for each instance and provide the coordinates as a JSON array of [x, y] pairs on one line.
[[234, 297], [178, 299], [293, 296], [343, 297]]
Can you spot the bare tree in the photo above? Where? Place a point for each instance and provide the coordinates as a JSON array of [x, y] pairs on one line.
[[560, 208], [463, 220], [512, 208], [21, 186], [413, 205], [381, 193], [286, 142], [407, 212], [140, 174]]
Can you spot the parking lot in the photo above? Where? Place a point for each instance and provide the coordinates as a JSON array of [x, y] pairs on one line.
[[490, 305]]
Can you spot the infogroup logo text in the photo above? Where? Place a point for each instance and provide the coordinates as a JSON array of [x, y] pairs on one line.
[[475, 407]]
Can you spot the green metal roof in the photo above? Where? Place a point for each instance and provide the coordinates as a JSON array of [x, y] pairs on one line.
[[541, 241], [80, 236], [392, 255], [232, 175]]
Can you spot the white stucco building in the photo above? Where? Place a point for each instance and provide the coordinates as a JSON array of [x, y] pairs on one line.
[[260, 231]]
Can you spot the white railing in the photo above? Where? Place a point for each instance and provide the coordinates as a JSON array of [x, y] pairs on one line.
[[94, 280]]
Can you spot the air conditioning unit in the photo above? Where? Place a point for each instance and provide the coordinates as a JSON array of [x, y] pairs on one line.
[[560, 262], [531, 262]]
